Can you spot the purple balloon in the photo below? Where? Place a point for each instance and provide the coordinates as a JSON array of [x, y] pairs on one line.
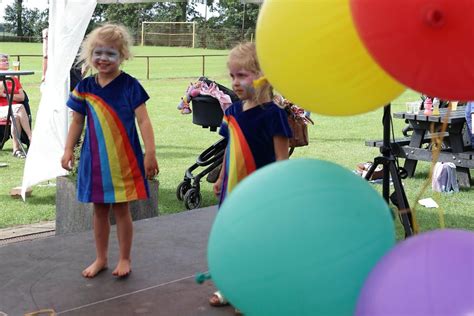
[[429, 274]]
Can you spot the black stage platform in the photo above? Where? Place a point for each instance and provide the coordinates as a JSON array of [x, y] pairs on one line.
[[167, 252]]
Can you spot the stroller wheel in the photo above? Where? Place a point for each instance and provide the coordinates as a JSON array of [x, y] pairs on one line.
[[192, 199], [183, 187]]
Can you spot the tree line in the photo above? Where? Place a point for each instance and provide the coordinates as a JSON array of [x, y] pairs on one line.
[[230, 21]]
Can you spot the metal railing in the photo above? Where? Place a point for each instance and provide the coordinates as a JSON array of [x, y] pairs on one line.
[[146, 57]]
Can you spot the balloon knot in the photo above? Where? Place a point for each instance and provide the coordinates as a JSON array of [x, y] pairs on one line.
[[434, 17], [201, 277]]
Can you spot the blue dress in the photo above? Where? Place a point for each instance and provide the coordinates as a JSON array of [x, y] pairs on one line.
[[111, 168], [249, 137]]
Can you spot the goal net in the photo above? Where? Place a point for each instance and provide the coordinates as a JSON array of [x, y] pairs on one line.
[[168, 34]]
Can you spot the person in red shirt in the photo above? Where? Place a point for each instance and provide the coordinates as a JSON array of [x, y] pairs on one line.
[[19, 113]]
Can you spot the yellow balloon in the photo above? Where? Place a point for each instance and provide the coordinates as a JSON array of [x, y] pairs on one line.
[[310, 51]]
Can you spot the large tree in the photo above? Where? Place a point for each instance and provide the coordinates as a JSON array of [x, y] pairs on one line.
[[13, 17], [133, 14], [233, 23], [23, 21], [234, 20], [130, 14], [236, 15]]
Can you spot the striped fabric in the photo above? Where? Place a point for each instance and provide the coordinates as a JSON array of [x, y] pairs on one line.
[[239, 161], [116, 175]]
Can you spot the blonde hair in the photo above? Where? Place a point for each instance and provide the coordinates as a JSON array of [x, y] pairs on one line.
[[108, 33], [244, 55]]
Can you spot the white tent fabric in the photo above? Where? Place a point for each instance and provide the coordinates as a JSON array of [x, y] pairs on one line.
[[68, 20]]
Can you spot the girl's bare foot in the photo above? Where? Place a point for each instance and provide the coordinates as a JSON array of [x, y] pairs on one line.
[[96, 267], [123, 268]]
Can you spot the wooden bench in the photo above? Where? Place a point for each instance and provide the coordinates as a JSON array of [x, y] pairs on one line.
[[464, 159], [404, 141], [401, 148]]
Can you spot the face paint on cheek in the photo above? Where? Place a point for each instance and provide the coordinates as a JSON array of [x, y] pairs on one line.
[[105, 54], [249, 89]]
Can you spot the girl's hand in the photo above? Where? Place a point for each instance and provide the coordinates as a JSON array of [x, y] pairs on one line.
[[217, 187], [151, 166], [67, 161]]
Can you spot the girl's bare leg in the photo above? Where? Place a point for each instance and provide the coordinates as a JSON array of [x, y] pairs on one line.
[[125, 236], [101, 234]]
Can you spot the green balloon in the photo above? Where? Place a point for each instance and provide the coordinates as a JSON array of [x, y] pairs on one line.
[[298, 237]]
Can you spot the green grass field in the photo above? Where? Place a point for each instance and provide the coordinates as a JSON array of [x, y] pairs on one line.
[[337, 139]]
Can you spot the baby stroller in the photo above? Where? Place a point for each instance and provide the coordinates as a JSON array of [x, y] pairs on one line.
[[207, 112]]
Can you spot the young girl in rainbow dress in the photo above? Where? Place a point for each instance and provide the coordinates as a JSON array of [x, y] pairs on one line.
[[112, 168], [256, 128]]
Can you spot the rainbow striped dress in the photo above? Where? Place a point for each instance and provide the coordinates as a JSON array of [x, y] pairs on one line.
[[250, 140], [111, 166]]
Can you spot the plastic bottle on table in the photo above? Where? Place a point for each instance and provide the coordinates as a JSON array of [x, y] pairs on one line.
[[454, 105], [436, 106], [428, 106]]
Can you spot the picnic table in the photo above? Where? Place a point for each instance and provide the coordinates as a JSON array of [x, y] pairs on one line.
[[457, 146]]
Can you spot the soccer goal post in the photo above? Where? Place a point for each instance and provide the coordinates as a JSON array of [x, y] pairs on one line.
[[169, 34]]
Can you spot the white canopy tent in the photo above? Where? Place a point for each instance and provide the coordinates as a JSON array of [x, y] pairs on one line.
[[68, 20]]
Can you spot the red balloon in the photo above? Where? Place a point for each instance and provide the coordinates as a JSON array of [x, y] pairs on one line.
[[428, 45]]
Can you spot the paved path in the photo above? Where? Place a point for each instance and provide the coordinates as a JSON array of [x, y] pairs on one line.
[[26, 230]]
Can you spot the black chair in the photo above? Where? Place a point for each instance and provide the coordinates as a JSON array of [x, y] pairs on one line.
[[5, 129]]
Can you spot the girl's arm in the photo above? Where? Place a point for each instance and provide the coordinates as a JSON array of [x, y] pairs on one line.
[[146, 130], [280, 144], [75, 131]]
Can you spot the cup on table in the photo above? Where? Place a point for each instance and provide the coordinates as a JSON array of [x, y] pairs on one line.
[[413, 107], [16, 65], [416, 107], [454, 105]]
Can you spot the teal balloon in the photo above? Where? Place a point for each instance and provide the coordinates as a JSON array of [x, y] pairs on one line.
[[298, 237]]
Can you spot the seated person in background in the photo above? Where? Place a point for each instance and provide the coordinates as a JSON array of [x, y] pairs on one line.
[[19, 113]]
